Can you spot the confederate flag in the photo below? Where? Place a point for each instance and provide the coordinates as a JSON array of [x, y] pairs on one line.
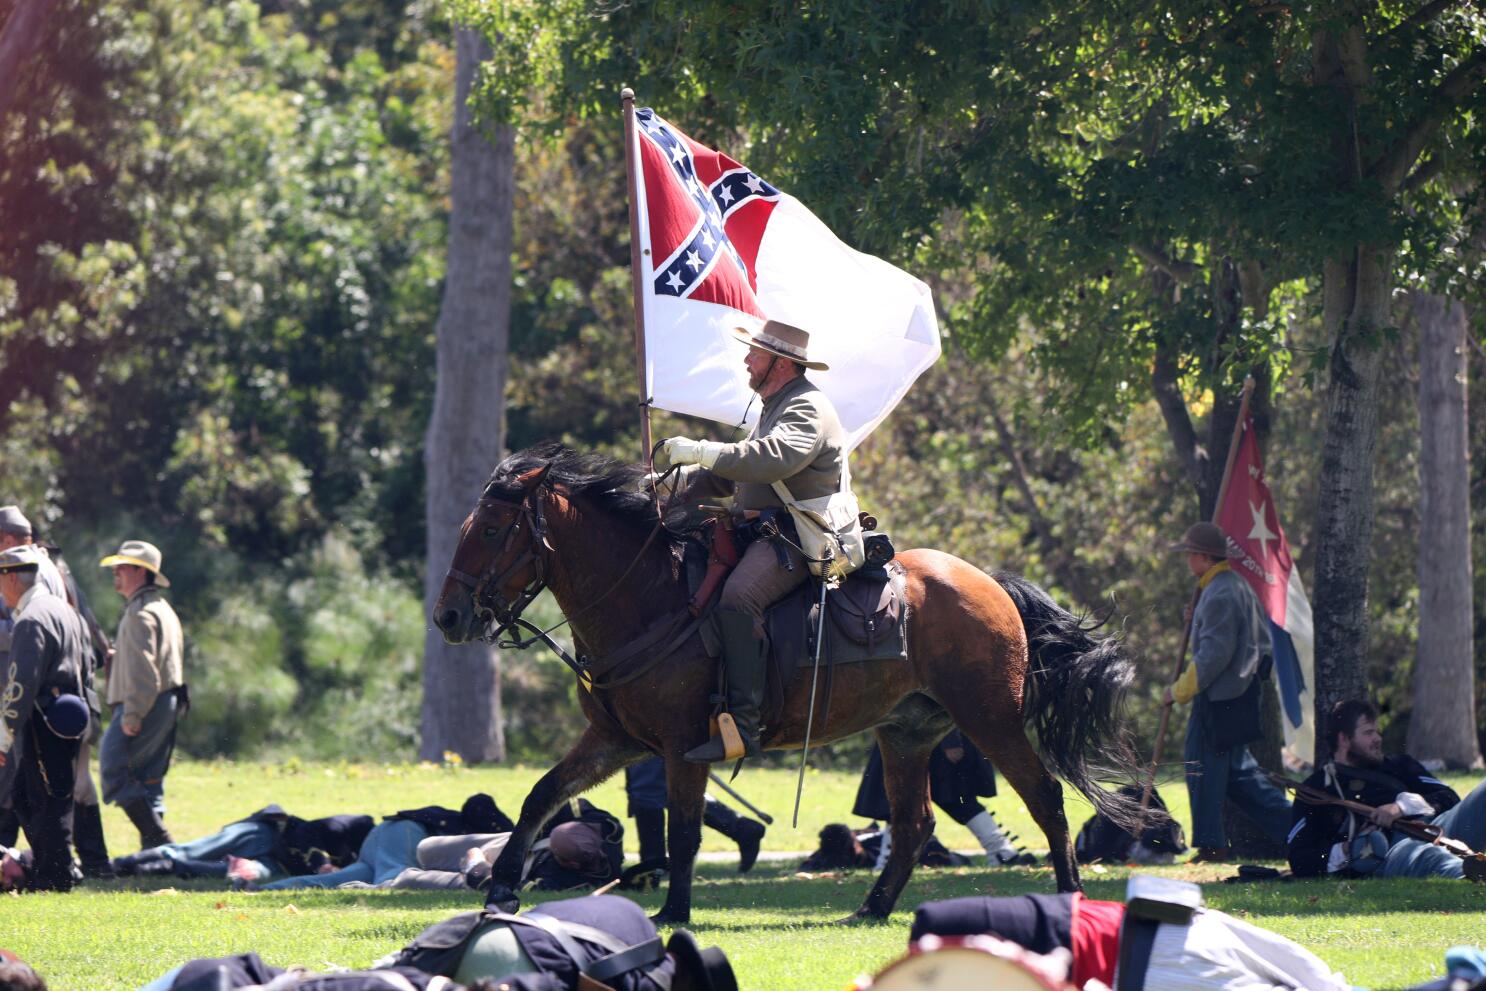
[[722, 248]]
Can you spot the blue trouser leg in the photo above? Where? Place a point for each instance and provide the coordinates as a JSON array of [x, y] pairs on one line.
[[1207, 784], [1415, 858], [1256, 796], [387, 850], [133, 767], [207, 856], [645, 785], [253, 840], [1466, 822]]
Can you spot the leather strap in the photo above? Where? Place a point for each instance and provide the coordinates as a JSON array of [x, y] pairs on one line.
[[621, 958], [646, 954], [1137, 936]]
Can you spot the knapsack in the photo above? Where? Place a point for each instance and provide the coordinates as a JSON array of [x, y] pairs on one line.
[[1101, 839]]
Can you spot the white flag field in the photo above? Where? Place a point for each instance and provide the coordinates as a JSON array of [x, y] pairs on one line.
[[722, 248]]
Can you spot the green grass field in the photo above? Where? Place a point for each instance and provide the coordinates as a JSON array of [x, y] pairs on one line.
[[776, 927]]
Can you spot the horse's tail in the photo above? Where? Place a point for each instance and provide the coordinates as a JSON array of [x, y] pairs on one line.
[[1076, 685]]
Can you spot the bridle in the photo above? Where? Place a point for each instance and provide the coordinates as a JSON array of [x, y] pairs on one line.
[[502, 618], [485, 589]]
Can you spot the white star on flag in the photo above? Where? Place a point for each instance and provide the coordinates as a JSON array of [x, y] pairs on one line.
[[675, 280], [677, 155], [1261, 531], [707, 237], [754, 183], [694, 259], [725, 193]]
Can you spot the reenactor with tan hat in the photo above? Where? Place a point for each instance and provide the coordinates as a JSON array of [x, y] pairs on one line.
[[42, 713], [795, 454], [147, 690]]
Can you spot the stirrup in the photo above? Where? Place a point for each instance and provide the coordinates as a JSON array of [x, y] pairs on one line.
[[732, 740]]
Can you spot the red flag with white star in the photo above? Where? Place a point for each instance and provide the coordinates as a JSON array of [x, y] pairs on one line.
[[1259, 551]]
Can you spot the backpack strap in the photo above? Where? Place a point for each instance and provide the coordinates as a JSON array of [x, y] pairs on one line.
[[621, 958]]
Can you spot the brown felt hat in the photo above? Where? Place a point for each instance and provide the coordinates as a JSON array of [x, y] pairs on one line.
[[1204, 538], [783, 340]]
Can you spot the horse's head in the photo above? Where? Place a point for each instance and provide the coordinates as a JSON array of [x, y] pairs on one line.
[[499, 564]]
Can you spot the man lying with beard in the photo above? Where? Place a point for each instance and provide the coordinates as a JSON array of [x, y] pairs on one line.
[[1329, 840]]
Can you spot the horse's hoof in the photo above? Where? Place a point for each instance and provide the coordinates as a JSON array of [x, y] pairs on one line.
[[502, 899], [669, 917], [862, 917]]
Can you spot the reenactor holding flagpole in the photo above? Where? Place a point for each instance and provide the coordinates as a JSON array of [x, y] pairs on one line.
[[796, 452]]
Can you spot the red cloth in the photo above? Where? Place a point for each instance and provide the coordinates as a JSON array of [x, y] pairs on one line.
[[1095, 933]]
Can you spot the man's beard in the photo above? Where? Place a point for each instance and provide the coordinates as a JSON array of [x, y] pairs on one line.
[[1359, 758]]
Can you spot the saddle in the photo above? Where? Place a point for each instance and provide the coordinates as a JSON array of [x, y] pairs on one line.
[[865, 621]]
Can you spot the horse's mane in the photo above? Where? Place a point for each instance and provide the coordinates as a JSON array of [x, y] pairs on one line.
[[608, 481]]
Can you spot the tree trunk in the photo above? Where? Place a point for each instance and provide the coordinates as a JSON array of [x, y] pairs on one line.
[[19, 41], [461, 685], [1443, 726], [1356, 311]]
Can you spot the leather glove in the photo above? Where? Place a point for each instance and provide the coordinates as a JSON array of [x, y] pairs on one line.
[[685, 451]]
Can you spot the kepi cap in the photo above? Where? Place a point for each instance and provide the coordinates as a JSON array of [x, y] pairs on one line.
[[141, 554], [1204, 538], [781, 339], [23, 557], [12, 520]]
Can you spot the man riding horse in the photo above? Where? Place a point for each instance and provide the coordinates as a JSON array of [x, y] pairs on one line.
[[798, 443]]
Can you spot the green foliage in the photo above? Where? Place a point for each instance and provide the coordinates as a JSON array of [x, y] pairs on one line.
[[321, 662], [240, 341], [1043, 154]]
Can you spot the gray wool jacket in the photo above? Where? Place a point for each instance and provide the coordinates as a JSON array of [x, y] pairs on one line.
[[1230, 636], [798, 440]]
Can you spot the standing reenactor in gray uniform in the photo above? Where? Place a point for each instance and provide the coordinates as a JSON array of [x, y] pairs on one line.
[[42, 713], [146, 688], [87, 826], [798, 441], [1231, 651]]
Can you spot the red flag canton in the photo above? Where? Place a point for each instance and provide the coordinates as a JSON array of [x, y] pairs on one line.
[[707, 215]]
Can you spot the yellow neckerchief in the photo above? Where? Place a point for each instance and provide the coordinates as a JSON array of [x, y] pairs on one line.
[[1211, 573], [1185, 688]]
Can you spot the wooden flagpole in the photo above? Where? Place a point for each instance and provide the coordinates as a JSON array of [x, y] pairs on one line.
[[637, 277], [1181, 654]]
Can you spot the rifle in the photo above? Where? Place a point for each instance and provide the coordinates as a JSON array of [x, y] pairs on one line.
[[1425, 832]]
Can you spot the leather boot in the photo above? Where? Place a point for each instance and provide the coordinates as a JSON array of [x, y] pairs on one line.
[[10, 827], [152, 831], [745, 832], [650, 826], [743, 656], [87, 839]]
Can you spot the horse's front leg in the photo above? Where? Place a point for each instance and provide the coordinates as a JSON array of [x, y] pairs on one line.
[[686, 787], [592, 759]]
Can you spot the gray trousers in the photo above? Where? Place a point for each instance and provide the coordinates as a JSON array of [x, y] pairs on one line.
[[133, 767], [758, 582]]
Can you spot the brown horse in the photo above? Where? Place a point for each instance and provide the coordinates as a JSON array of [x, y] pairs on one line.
[[580, 526]]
